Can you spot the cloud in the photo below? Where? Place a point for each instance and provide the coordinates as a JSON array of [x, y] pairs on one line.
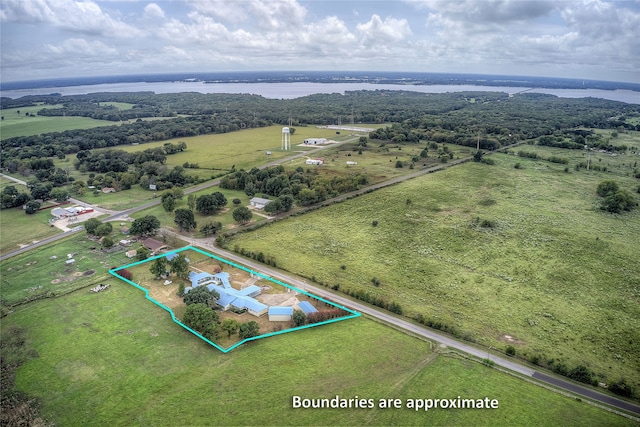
[[153, 11], [489, 11], [377, 32], [76, 16]]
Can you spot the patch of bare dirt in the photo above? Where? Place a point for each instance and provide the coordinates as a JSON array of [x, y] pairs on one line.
[[511, 339]]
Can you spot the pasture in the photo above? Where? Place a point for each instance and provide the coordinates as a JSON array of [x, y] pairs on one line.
[[243, 149], [494, 254], [110, 358], [16, 122]]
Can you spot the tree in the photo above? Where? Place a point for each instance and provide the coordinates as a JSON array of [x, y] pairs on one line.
[[619, 201], [145, 226], [143, 253], [607, 187], [184, 219], [169, 203], [191, 201], [211, 228], [249, 329], [242, 215], [230, 326], [103, 229], [107, 242], [477, 157], [237, 201], [59, 194], [616, 199], [159, 267], [299, 318], [32, 207], [209, 204], [179, 266], [199, 317], [41, 191], [91, 225], [201, 295], [362, 142]]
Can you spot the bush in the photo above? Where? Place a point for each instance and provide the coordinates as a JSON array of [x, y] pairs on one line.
[[510, 350], [621, 388]]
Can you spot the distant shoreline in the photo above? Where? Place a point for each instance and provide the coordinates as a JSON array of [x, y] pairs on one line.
[[291, 90], [378, 78]]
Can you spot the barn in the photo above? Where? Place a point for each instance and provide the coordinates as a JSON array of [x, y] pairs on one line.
[[280, 314]]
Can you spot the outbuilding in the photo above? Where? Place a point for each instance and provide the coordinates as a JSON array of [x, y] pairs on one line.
[[259, 203], [306, 307], [280, 314]]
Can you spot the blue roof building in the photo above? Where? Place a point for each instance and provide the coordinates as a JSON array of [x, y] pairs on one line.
[[229, 296], [280, 314], [306, 307]]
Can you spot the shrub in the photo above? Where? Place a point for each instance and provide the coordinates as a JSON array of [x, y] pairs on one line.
[[510, 350], [621, 388], [124, 273]]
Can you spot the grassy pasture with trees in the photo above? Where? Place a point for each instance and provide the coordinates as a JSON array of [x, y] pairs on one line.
[[494, 254], [25, 121], [93, 349]]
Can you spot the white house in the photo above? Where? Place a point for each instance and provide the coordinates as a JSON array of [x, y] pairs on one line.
[[259, 203]]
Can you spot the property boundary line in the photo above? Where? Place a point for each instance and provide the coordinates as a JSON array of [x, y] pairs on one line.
[[114, 273]]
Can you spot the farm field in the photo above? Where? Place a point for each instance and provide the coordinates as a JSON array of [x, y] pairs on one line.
[[95, 349], [19, 124], [493, 254]]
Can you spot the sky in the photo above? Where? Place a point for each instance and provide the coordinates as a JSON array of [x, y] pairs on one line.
[[585, 39]]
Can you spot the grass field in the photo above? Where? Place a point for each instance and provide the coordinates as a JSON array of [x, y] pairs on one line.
[[109, 358], [44, 271], [552, 275], [19, 124], [244, 149]]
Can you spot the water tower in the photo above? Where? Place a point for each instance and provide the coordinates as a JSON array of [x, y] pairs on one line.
[[286, 138]]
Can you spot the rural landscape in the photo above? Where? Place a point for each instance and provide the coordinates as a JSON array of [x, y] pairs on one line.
[[505, 223]]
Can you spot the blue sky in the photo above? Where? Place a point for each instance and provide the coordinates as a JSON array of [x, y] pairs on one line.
[[590, 39]]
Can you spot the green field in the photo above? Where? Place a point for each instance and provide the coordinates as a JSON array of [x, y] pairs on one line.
[[244, 149], [551, 274], [112, 359], [19, 124]]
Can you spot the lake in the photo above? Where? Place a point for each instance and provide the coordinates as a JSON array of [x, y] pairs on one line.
[[299, 89]]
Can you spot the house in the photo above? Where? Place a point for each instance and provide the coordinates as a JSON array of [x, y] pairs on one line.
[[131, 253], [259, 203], [315, 141], [315, 161], [280, 314], [153, 245], [228, 295], [306, 307], [107, 190]]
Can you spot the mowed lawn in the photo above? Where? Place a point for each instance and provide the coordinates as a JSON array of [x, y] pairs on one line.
[[113, 358], [553, 275], [16, 122]]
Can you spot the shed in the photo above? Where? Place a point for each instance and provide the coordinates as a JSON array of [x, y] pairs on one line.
[[314, 161], [131, 253], [259, 203], [280, 314], [70, 261], [315, 141], [306, 307]]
